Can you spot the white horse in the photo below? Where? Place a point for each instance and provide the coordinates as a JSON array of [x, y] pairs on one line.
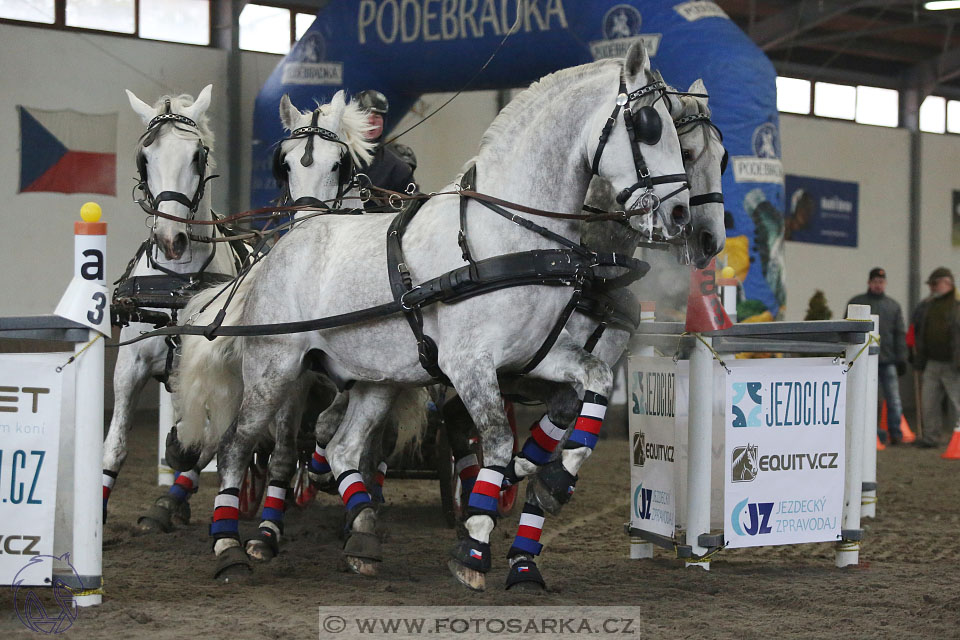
[[704, 160], [336, 264], [173, 160]]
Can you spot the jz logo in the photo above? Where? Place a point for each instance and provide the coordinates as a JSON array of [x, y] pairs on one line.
[[642, 498], [747, 406], [758, 518]]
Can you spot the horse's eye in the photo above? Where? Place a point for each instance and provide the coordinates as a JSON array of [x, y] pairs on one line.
[[687, 155], [336, 166]]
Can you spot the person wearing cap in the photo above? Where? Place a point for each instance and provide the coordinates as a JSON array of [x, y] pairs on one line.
[[392, 165], [893, 349], [936, 323]]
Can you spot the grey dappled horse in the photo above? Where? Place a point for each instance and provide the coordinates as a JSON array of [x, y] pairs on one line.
[[173, 159]]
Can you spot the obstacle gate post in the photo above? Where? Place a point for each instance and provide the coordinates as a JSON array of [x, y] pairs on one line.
[[848, 549], [700, 444], [868, 499], [90, 246], [640, 549]]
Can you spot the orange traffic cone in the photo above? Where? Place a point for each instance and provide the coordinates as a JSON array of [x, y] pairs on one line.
[[880, 445], [704, 309], [953, 449]]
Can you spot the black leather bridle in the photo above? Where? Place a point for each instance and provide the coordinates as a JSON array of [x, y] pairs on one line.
[[643, 126], [346, 176], [150, 202]]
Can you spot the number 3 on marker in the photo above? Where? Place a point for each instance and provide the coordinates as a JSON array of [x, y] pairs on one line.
[[96, 314]]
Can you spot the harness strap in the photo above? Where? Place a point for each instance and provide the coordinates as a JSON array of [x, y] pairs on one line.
[[705, 198]]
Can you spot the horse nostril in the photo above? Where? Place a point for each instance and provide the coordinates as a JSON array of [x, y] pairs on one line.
[[680, 215], [180, 244], [708, 242]]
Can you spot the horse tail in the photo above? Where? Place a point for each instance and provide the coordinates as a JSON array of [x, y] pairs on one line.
[[208, 383], [410, 415]]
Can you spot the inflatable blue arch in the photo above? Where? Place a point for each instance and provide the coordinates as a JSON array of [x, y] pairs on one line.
[[406, 48]]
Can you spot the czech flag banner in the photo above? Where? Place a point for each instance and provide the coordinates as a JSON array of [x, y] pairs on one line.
[[67, 152]]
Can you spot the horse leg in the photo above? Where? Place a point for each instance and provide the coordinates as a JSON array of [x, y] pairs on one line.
[[459, 426], [283, 463], [368, 405], [130, 375], [524, 574], [475, 378], [568, 362], [271, 369], [326, 427], [173, 507]]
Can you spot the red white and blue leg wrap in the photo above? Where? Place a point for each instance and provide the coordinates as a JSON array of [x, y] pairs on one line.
[[226, 514], [467, 467], [543, 440], [527, 542], [586, 431], [109, 477], [352, 490], [381, 474], [184, 485], [485, 496], [275, 503], [318, 462]]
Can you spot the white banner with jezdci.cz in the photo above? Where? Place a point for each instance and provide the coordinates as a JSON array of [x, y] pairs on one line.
[[653, 407], [30, 396], [784, 466]]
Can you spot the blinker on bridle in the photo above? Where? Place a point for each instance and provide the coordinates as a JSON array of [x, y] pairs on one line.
[[149, 202]]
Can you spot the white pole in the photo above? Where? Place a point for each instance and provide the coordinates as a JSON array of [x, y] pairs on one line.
[[848, 552], [868, 499], [90, 249], [164, 472], [700, 442], [729, 296], [640, 549]]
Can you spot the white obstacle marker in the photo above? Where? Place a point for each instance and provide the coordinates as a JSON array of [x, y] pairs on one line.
[[779, 464], [64, 494]]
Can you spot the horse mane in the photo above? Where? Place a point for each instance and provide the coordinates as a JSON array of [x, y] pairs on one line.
[[536, 91]]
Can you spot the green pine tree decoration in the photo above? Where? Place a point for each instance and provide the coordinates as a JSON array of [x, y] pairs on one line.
[[818, 309]]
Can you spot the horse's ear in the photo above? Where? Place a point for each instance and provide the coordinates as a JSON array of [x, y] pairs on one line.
[[337, 105], [698, 87], [201, 104], [289, 114], [141, 108], [637, 64]]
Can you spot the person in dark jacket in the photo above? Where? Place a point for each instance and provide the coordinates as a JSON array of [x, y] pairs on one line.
[[392, 165], [936, 322], [893, 348]]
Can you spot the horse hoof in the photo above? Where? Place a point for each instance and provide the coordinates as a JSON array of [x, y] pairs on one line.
[[553, 487], [232, 566], [362, 566], [157, 517], [260, 551], [181, 514], [470, 578], [525, 577]]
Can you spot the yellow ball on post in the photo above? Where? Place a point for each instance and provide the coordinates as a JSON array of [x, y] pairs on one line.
[[90, 212], [728, 272]]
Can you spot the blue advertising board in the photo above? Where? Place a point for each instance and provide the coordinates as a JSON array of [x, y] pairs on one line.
[[821, 211], [405, 48]]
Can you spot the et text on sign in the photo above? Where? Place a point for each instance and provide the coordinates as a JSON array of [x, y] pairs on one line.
[[30, 402]]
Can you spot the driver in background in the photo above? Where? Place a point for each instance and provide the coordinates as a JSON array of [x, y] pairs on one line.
[[392, 165]]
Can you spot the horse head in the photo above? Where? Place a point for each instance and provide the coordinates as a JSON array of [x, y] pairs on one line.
[[638, 150], [172, 161], [704, 159], [315, 164]]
